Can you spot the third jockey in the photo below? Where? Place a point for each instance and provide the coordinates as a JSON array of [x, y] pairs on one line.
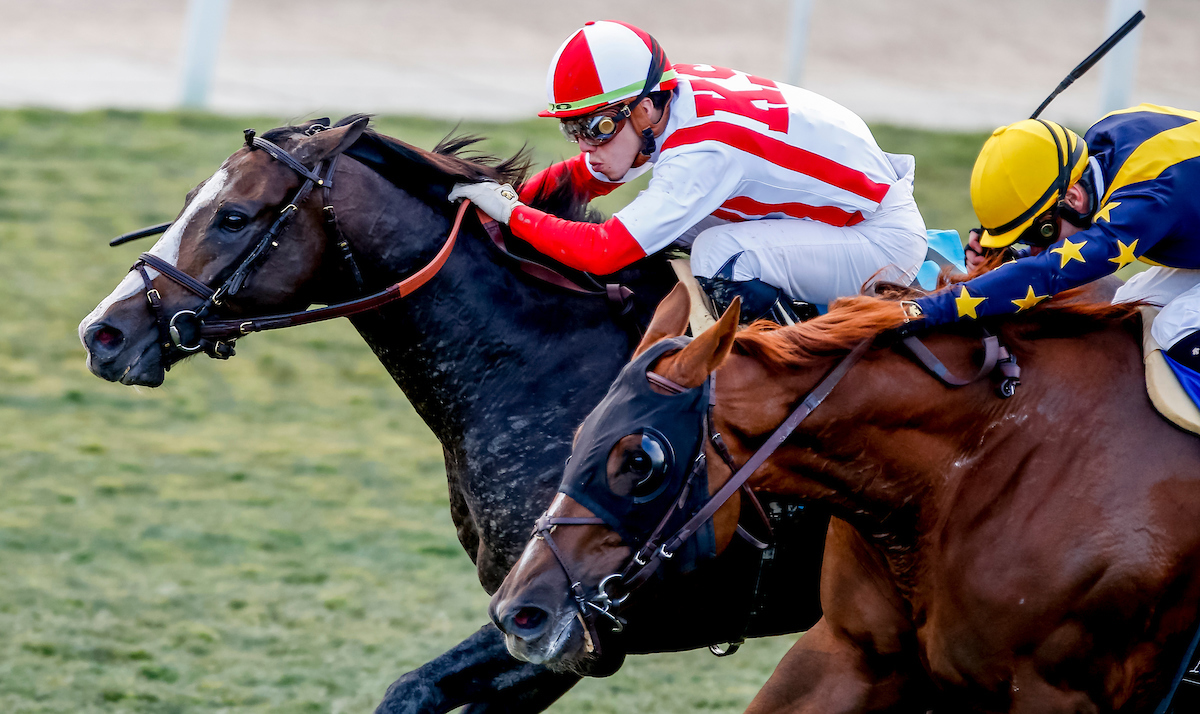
[[780, 193], [1128, 191]]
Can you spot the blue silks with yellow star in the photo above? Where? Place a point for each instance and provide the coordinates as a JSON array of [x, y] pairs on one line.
[[1148, 161]]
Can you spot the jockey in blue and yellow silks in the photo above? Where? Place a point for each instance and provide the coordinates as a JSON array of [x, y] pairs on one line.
[[1130, 190]]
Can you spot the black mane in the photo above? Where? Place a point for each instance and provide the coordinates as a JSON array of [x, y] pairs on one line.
[[430, 174]]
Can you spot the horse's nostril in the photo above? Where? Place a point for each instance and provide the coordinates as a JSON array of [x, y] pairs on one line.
[[108, 337], [529, 618]]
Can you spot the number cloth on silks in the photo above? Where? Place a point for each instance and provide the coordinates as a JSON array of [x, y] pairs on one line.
[[1146, 165]]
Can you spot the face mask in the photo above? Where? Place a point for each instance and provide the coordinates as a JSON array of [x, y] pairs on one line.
[[658, 471]]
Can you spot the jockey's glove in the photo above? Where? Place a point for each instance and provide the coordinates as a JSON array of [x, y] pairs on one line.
[[496, 200], [914, 324]]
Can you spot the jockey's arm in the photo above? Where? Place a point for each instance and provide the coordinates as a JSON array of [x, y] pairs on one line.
[[1130, 224], [684, 190], [574, 170]]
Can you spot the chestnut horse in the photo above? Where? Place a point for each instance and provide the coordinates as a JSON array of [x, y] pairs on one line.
[[1033, 554]]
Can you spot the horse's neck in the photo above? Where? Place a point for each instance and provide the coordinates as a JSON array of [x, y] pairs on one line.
[[501, 369], [903, 458], [476, 339], [879, 450]]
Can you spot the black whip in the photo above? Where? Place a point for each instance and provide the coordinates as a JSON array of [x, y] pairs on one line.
[[1093, 58]]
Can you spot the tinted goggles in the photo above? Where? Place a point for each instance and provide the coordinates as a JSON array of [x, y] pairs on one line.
[[596, 128]]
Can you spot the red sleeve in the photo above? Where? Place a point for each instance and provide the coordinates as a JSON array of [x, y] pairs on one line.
[[600, 248], [576, 167]]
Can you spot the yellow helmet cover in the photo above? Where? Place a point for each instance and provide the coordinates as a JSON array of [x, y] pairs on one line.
[[1022, 171]]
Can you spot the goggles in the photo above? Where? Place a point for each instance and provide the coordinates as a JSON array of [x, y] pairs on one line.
[[598, 128]]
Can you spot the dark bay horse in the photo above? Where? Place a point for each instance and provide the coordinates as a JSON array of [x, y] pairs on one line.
[[1033, 554], [470, 351]]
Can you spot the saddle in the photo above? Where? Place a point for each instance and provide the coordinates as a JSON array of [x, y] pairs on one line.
[[1166, 393]]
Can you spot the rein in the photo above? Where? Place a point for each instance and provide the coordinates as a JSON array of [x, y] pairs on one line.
[[616, 588], [216, 337]]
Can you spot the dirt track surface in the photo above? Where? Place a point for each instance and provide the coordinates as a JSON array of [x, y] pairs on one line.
[[935, 63]]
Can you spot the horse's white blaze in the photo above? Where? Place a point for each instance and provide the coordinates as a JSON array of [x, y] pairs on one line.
[[166, 248]]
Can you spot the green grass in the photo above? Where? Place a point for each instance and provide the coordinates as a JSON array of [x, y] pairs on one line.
[[269, 534]]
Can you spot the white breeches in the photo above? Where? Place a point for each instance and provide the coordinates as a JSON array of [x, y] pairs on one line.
[[1177, 290], [817, 262]]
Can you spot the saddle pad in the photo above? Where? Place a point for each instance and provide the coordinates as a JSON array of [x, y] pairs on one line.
[[945, 248], [1162, 384], [700, 319]]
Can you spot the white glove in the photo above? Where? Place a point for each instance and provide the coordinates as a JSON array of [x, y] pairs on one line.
[[496, 200]]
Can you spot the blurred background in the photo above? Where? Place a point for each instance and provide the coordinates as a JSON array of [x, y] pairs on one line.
[[272, 534], [929, 63]]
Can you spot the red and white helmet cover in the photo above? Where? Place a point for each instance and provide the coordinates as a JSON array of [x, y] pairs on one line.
[[601, 63]]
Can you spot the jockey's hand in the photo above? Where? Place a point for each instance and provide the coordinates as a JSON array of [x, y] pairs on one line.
[[914, 323], [976, 254], [496, 200]]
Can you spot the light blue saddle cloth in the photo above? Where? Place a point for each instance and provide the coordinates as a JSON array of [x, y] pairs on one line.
[[945, 248]]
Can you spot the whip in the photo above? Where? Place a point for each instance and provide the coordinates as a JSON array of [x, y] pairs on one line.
[[1093, 58]]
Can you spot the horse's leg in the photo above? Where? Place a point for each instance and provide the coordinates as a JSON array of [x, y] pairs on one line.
[[476, 671], [860, 656]]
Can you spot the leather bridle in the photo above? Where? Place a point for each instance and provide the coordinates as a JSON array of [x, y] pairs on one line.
[[613, 590], [216, 337]]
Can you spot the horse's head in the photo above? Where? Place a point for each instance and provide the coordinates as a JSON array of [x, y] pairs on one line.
[[224, 229], [636, 473]]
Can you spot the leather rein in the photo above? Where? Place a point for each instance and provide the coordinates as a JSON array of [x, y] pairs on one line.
[[613, 590], [216, 337]]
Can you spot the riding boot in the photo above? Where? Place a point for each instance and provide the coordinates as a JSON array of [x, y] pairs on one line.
[[1187, 352], [759, 301]]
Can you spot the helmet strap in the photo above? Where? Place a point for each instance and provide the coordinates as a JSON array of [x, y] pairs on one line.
[[640, 120]]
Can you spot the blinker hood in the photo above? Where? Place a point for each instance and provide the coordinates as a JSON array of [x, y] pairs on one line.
[[633, 407]]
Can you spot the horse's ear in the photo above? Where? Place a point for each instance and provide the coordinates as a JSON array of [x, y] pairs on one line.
[[702, 355], [332, 142], [670, 318]]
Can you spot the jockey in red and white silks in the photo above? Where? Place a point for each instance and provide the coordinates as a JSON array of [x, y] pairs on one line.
[[773, 187]]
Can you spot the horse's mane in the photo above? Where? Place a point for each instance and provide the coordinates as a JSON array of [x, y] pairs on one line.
[[431, 173], [854, 319]]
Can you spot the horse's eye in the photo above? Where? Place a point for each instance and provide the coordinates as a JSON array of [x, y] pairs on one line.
[[648, 464], [233, 222]]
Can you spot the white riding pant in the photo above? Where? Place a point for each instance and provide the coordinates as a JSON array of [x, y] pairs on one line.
[[1177, 290], [817, 262]]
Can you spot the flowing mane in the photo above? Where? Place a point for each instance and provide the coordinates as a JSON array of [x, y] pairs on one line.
[[432, 173], [854, 319]]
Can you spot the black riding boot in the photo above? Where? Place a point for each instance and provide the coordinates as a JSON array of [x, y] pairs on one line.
[[759, 300], [1187, 352]]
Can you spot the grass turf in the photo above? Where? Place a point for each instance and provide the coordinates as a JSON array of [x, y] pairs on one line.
[[269, 534]]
